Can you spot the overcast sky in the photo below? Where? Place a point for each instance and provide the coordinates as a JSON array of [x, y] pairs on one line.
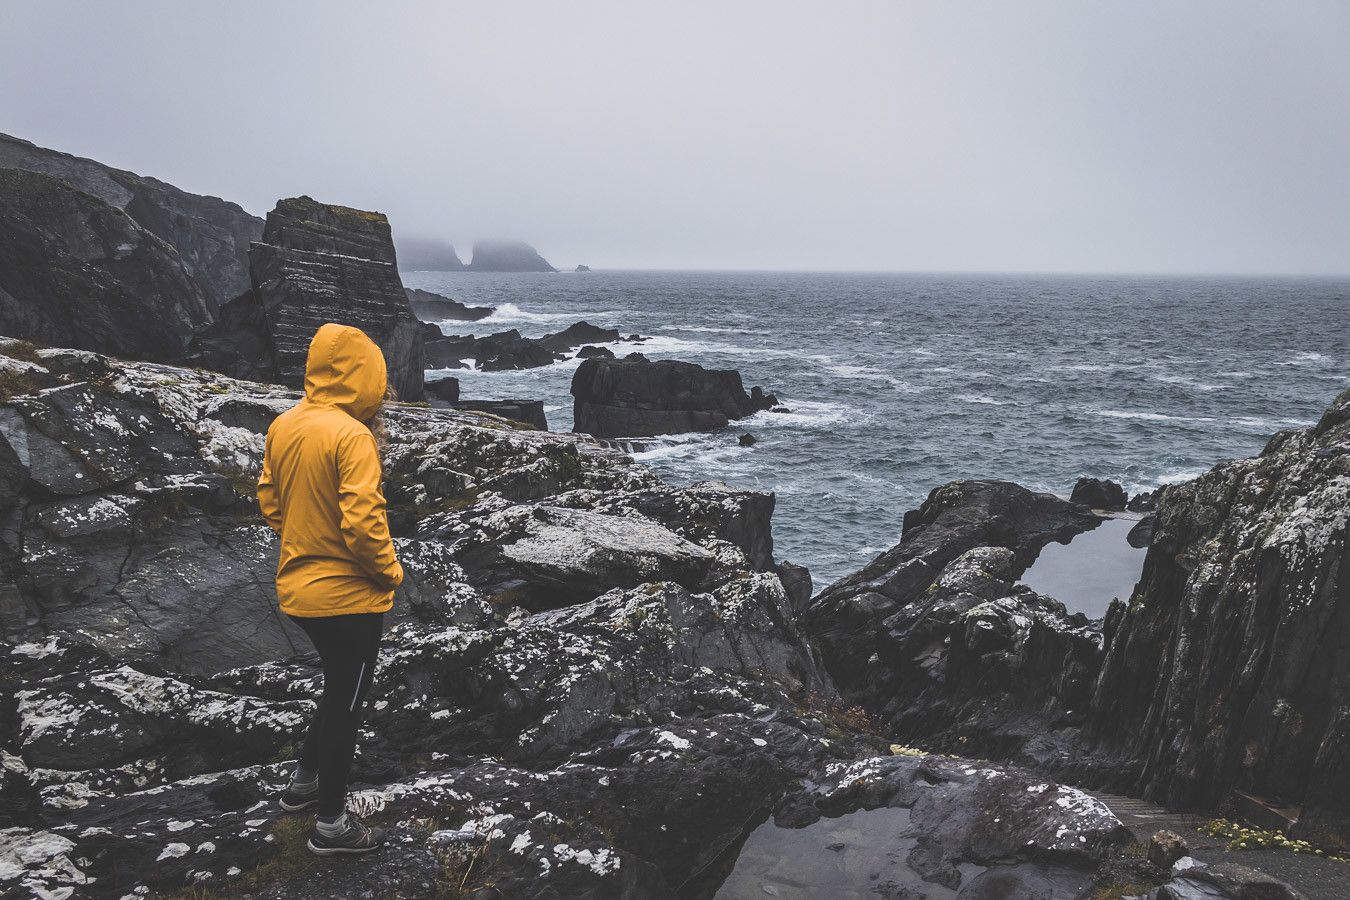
[[1032, 136]]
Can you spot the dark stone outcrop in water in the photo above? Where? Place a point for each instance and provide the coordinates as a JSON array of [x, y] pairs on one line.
[[428, 255], [507, 256], [508, 350], [635, 397], [211, 236], [1099, 493], [79, 272], [431, 307], [316, 263]]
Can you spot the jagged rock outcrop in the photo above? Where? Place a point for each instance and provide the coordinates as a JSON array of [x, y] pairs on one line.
[[78, 272], [507, 256], [936, 637], [430, 307], [428, 255], [634, 397], [316, 263], [210, 236], [1227, 669], [506, 350]]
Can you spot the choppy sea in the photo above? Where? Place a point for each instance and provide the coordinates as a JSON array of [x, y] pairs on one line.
[[898, 383]]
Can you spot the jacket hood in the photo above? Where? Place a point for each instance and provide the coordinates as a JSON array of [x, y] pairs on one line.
[[345, 369]]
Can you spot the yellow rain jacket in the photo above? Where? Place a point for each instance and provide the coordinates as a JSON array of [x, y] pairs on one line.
[[320, 484]]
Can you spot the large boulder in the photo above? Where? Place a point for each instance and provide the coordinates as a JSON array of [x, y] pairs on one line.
[[76, 271], [210, 236], [635, 397], [1099, 493], [316, 263], [507, 256]]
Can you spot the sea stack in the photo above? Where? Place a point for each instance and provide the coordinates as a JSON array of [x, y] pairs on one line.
[[316, 263], [507, 256], [635, 397]]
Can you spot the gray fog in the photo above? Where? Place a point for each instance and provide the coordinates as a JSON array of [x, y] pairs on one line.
[[1028, 136]]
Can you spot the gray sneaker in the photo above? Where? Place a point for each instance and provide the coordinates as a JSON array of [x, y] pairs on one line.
[[298, 796], [351, 836]]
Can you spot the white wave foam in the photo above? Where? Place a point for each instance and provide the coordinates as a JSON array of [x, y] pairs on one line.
[[1148, 416], [809, 414], [509, 313], [980, 398]]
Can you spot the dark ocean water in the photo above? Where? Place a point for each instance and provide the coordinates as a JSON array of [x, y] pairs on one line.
[[899, 383]]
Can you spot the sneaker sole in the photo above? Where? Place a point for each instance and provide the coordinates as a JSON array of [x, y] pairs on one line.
[[329, 851], [296, 807]]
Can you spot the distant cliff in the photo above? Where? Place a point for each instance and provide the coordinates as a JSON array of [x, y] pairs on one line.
[[209, 234], [427, 255], [507, 256]]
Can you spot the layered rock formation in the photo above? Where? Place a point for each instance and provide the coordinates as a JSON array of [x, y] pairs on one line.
[[428, 255], [507, 256], [595, 686], [210, 236], [634, 397], [76, 271], [431, 307], [1227, 668], [316, 263]]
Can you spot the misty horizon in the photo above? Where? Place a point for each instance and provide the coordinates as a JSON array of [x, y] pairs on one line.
[[1205, 139]]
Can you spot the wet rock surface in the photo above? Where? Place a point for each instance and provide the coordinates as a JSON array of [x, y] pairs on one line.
[[316, 263], [596, 684], [635, 397]]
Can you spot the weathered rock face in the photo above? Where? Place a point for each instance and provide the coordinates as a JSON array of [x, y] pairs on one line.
[[523, 412], [211, 236], [428, 255], [936, 637], [507, 256], [316, 263], [1227, 667], [431, 307], [634, 397], [79, 272]]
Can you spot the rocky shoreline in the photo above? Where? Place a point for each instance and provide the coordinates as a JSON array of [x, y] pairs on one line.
[[595, 683], [598, 682]]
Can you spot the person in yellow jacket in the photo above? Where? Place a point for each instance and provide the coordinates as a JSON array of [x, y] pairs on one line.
[[320, 491]]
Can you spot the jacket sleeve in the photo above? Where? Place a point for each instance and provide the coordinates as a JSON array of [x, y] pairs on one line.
[[365, 525], [267, 493]]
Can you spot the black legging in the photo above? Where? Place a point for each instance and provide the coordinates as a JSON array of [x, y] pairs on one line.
[[348, 646]]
